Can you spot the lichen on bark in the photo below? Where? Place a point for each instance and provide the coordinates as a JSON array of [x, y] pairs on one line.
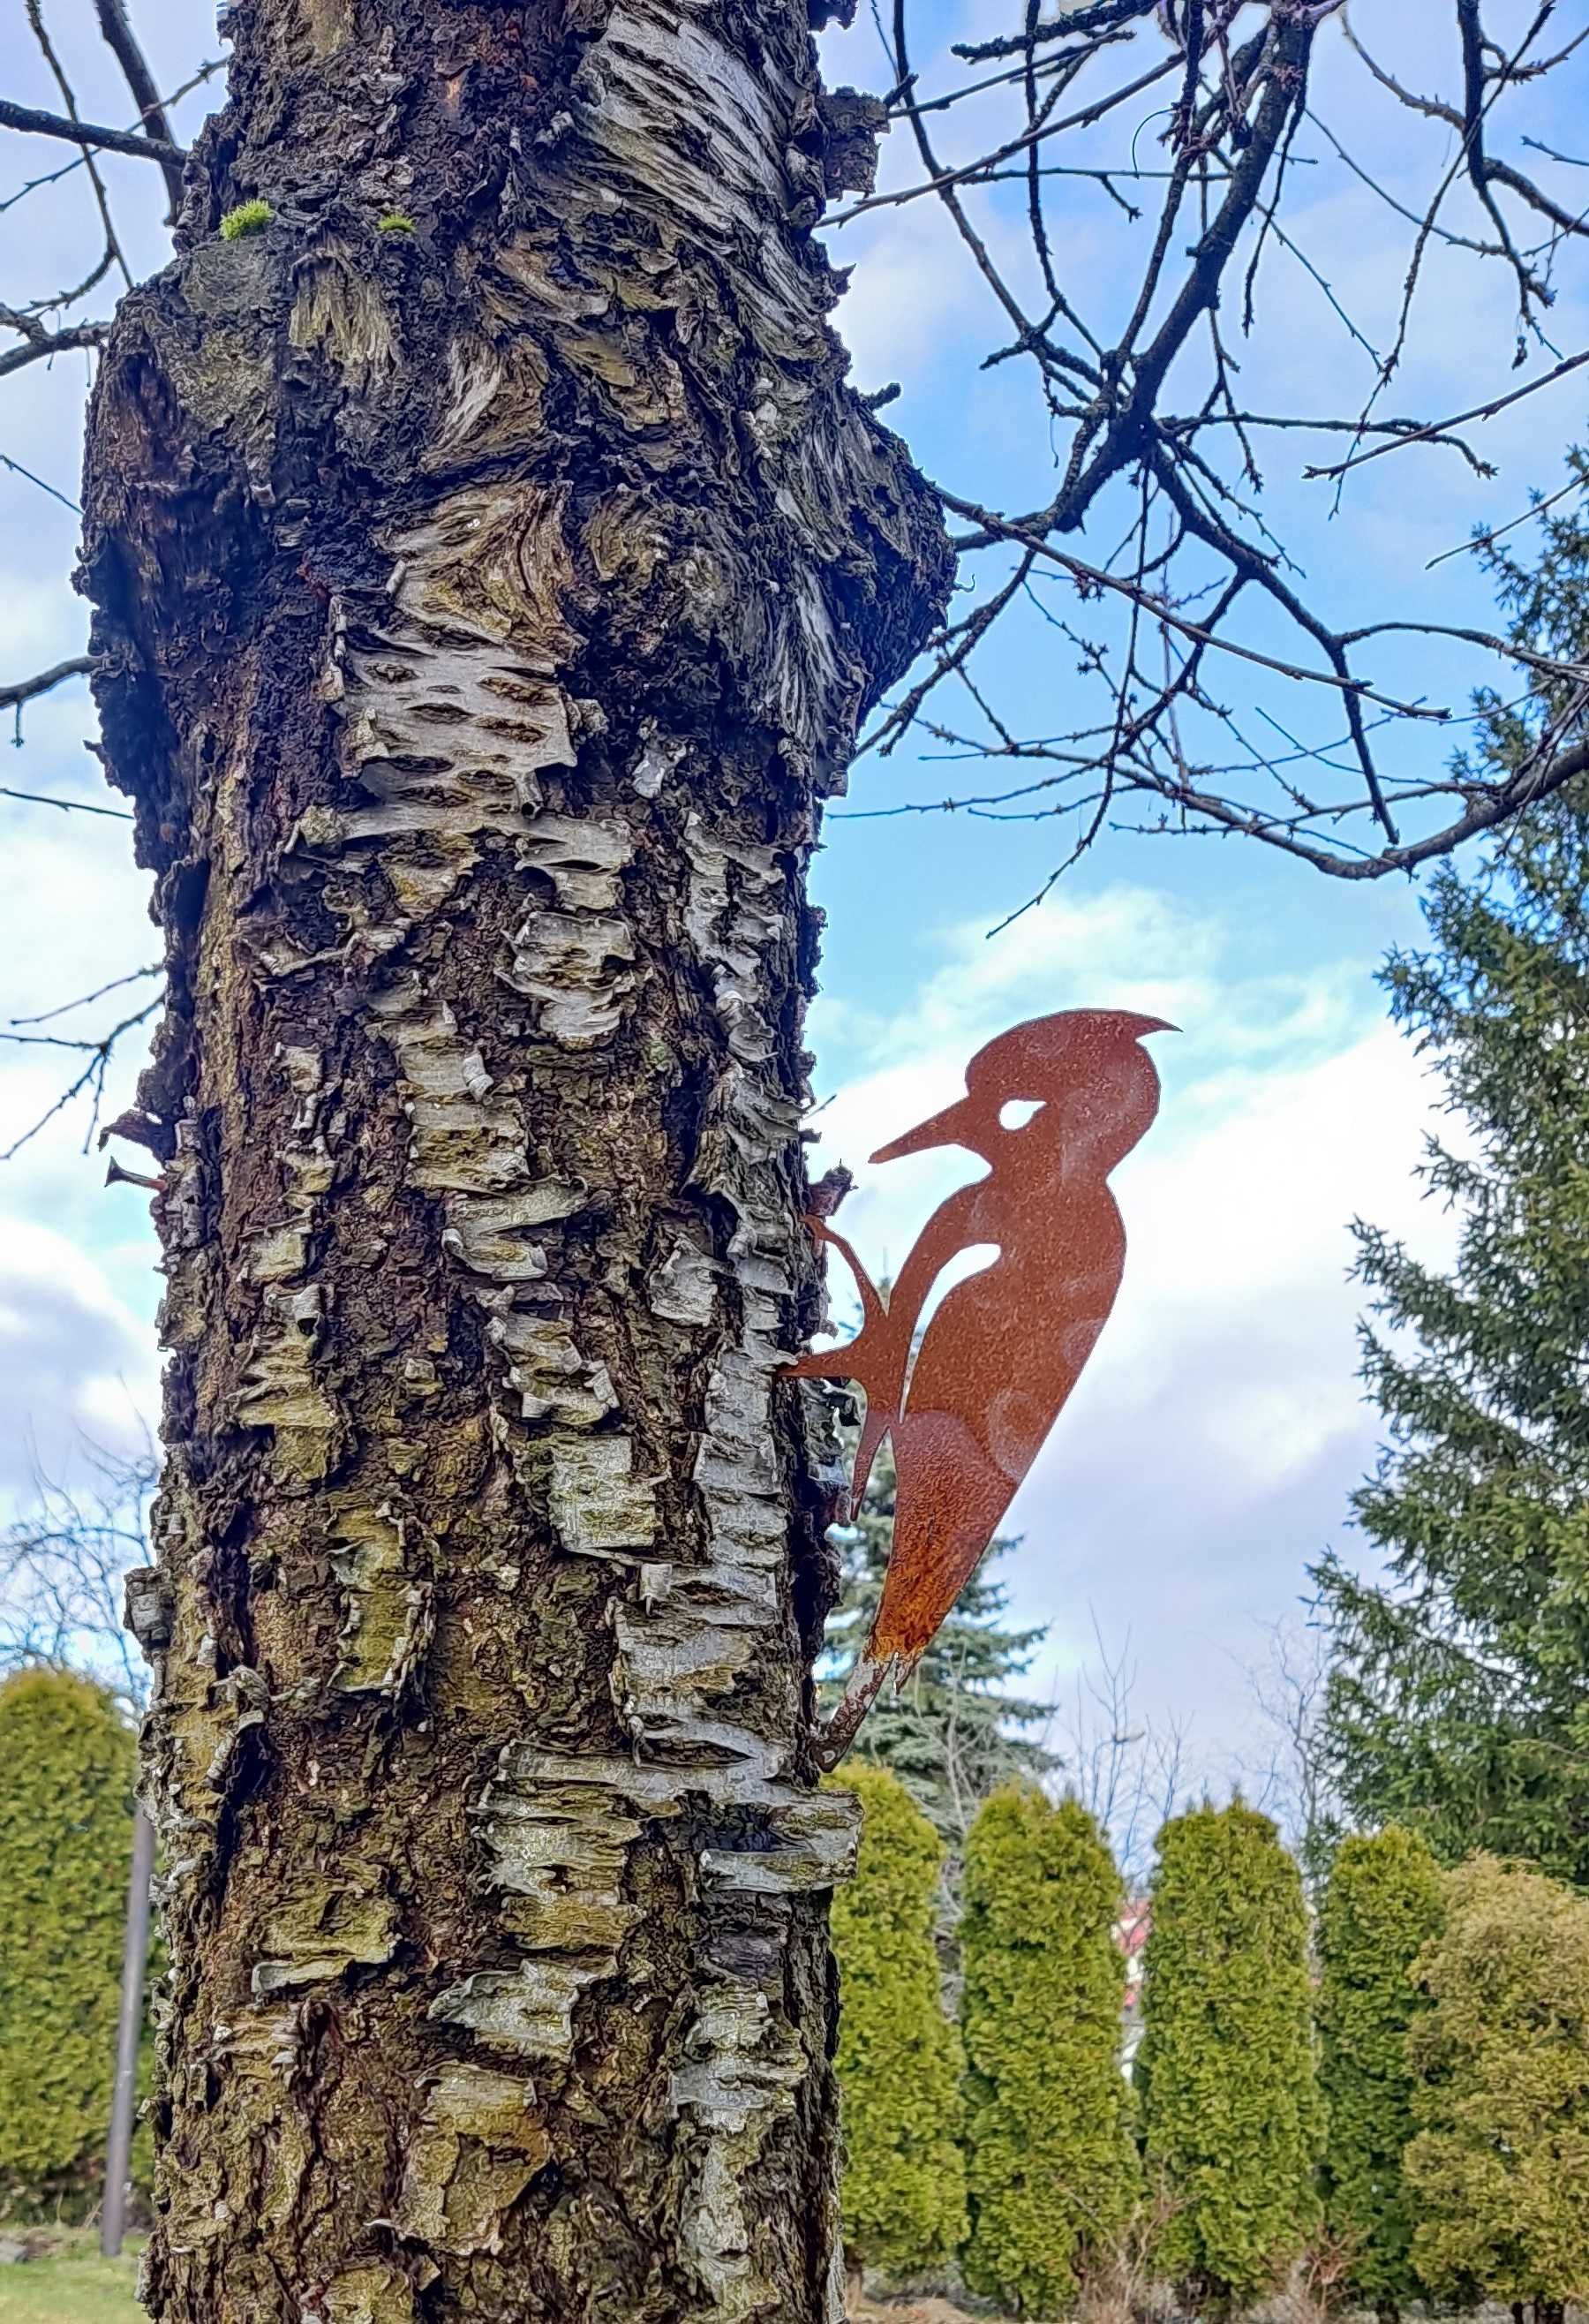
[[484, 613]]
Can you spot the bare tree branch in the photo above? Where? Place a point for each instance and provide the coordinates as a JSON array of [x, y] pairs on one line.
[[39, 345], [17, 469], [25, 690], [1178, 632], [35, 15], [91, 134], [1435, 428], [90, 1080], [63, 1568], [1201, 131], [123, 45], [1131, 1774], [1288, 1685]]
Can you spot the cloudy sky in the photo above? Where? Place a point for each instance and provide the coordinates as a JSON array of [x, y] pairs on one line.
[[1209, 1453]]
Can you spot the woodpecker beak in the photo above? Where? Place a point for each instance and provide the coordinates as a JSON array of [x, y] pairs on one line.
[[955, 1126], [1139, 1027]]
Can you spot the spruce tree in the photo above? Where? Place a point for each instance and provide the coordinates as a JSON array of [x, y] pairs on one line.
[[899, 2057], [1458, 1703], [1053, 2172], [1499, 2171], [953, 1734], [1384, 1903], [1231, 2117], [65, 1836]]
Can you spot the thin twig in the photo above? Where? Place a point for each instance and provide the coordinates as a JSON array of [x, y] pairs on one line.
[[138, 976], [67, 806]]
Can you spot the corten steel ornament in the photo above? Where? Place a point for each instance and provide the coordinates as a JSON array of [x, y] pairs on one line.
[[969, 1416]]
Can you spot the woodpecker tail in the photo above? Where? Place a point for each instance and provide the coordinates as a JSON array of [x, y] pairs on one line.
[[833, 1741]]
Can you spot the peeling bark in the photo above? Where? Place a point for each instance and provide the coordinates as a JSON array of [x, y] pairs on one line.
[[483, 611]]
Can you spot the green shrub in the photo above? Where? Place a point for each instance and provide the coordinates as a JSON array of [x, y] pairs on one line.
[[67, 1760], [1384, 1901], [899, 2060], [1231, 2115], [1499, 2171], [1052, 2173]]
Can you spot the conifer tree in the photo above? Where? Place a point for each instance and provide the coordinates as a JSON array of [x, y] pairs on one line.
[[66, 1835], [1384, 1903], [1231, 2117], [1457, 1702], [1499, 2171], [900, 2056], [953, 1734], [1053, 2172]]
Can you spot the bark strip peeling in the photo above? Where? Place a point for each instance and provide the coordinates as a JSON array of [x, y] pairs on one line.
[[490, 566]]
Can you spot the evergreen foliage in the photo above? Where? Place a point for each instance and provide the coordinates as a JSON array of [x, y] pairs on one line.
[[1385, 1901], [65, 1836], [1457, 1704], [1499, 2172], [947, 1735], [899, 2057], [1232, 2122], [1053, 2172]]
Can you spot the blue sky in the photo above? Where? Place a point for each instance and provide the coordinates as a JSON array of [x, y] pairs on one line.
[[1210, 1453]]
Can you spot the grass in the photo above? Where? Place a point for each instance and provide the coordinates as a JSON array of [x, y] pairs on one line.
[[74, 2287]]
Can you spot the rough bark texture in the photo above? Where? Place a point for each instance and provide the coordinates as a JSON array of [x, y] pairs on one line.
[[488, 599]]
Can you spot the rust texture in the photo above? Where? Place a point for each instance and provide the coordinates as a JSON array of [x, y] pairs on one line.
[[490, 565], [969, 1402]]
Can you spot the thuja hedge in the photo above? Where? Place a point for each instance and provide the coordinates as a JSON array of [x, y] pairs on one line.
[[1231, 2115], [65, 1832], [1052, 2167], [899, 2058], [1384, 1901], [1499, 2168]]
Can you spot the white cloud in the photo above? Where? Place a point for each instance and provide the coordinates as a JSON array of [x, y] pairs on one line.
[[913, 293], [76, 1259], [74, 1361]]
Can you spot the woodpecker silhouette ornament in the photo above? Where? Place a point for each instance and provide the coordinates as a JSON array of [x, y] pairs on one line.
[[1051, 1107]]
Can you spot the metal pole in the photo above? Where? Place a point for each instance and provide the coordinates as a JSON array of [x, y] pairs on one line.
[[129, 2035]]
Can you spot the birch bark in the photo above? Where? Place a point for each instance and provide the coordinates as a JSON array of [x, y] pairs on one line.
[[489, 566]]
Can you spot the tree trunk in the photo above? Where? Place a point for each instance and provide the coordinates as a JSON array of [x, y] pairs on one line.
[[490, 566]]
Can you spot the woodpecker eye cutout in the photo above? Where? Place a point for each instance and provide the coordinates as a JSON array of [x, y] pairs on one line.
[[969, 1402]]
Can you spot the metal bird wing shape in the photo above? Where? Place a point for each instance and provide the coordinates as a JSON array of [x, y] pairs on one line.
[[1051, 1107]]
